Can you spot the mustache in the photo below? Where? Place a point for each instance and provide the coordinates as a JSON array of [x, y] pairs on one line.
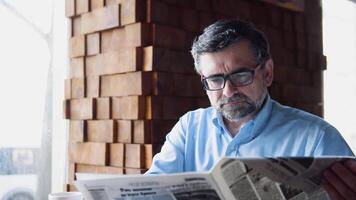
[[234, 98]]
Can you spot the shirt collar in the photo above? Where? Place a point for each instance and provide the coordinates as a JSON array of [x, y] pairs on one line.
[[257, 123]]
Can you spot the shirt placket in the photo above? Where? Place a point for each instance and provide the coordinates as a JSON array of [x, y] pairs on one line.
[[242, 137]]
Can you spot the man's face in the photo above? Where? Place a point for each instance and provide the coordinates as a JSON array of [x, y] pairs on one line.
[[235, 103]]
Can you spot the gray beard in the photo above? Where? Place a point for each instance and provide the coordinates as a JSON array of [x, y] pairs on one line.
[[239, 111]]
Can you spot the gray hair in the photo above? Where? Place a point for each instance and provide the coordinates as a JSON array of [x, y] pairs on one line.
[[224, 33]]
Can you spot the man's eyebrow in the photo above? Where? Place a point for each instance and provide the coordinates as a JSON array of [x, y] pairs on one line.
[[243, 69], [216, 75]]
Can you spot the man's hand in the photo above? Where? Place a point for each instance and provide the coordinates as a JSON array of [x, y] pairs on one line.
[[340, 180]]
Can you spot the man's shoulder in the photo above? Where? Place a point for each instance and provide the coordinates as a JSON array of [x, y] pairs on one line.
[[208, 112], [292, 114]]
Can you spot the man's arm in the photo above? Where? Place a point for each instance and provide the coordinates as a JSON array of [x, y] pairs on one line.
[[171, 158]]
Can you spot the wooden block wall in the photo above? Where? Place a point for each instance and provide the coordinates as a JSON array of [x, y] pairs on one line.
[[131, 75]]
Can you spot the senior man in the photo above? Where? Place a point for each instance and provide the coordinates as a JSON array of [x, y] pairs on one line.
[[233, 60]]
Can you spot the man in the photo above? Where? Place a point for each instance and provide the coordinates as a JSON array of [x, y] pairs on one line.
[[235, 66]]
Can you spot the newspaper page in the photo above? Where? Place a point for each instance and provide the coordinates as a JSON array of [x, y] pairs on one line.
[[293, 178], [155, 187], [289, 178]]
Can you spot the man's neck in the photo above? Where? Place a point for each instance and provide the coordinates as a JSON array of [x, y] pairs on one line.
[[234, 126]]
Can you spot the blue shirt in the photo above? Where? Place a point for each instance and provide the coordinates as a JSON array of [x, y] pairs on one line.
[[200, 139]]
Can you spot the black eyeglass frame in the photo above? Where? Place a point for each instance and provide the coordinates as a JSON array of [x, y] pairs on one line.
[[227, 77]]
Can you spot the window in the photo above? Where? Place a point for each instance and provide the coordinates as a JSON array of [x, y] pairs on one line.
[[32, 71], [339, 35]]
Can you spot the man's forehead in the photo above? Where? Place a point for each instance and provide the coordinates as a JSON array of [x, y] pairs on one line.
[[229, 58]]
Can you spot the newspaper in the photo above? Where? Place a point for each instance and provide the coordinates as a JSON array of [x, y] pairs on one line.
[[281, 178]]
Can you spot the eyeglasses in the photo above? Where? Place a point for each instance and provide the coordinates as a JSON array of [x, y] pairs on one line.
[[237, 79]]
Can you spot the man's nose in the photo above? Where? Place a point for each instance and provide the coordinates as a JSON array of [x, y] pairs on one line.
[[229, 89]]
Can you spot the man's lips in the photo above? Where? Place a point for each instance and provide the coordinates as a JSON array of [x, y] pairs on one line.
[[232, 103]]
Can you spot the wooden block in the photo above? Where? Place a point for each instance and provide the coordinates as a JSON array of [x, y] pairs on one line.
[[123, 60], [100, 19], [274, 91], [301, 41], [111, 2], [77, 131], [168, 84], [67, 89], [92, 86], [91, 153], [275, 16], [158, 12], [301, 60], [323, 62], [288, 19], [81, 108], [301, 94], [188, 85], [132, 35], [148, 155], [202, 102], [169, 37], [93, 44], [92, 67], [134, 171], [70, 27], [232, 8], [132, 11], [77, 88], [129, 107], [77, 46], [82, 168], [204, 5], [66, 109], [117, 155], [166, 60], [70, 188], [150, 111], [181, 3], [70, 8], [159, 130], [97, 4], [205, 19], [76, 67], [189, 20], [314, 44], [134, 155], [101, 131], [168, 107], [142, 132], [315, 61], [261, 9], [150, 150], [76, 26], [299, 25], [81, 6], [278, 55], [135, 83], [281, 74], [103, 108], [124, 131], [275, 36], [289, 40], [71, 173]]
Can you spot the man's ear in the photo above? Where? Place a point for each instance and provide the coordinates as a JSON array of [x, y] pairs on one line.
[[268, 72]]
